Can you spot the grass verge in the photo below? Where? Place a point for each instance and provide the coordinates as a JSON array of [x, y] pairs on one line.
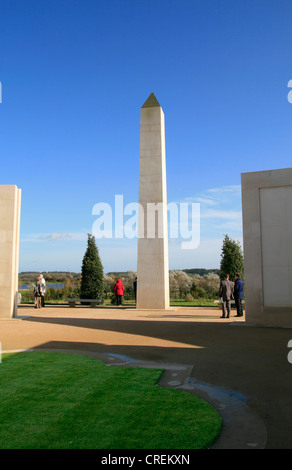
[[69, 401]]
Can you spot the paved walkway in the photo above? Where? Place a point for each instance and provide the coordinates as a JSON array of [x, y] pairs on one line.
[[241, 370]]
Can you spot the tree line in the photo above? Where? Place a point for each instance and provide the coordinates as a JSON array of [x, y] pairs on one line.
[[93, 283]]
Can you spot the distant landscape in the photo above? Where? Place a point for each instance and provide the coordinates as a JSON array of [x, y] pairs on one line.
[[189, 286], [51, 277], [62, 277]]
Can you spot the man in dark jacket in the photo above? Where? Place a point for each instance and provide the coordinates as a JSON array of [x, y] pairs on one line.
[[226, 293], [238, 294], [135, 288]]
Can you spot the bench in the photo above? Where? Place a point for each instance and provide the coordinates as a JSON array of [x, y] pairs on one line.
[[93, 302]]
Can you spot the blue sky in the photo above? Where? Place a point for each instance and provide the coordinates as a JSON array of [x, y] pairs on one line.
[[74, 76]]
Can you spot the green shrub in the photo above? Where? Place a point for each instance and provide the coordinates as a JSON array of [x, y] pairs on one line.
[[189, 298]]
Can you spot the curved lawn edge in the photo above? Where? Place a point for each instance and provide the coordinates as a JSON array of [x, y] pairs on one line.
[[52, 400]]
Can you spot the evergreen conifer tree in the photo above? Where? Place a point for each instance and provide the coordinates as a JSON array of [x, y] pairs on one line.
[[231, 258], [92, 280]]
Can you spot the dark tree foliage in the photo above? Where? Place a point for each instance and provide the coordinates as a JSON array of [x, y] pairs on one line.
[[231, 258], [92, 280], [201, 271]]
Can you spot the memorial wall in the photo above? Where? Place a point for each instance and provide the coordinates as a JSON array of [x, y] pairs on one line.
[[10, 200], [267, 242]]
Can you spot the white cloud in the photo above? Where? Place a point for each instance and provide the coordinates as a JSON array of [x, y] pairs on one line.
[[234, 215], [207, 255], [226, 195], [54, 236], [234, 189], [220, 213], [201, 200]]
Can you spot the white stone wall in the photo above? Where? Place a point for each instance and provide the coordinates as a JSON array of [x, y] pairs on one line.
[[10, 198], [276, 240], [267, 244]]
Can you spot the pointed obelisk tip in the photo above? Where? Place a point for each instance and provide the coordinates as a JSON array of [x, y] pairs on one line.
[[151, 102]]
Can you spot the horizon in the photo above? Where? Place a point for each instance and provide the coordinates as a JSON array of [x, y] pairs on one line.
[[73, 77], [110, 272]]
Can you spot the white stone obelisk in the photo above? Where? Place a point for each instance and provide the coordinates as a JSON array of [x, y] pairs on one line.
[[10, 199], [152, 260]]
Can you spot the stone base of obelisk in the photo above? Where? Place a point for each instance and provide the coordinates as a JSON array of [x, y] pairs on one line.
[[155, 309]]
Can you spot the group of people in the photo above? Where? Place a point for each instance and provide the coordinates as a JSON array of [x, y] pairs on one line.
[[229, 290], [39, 292]]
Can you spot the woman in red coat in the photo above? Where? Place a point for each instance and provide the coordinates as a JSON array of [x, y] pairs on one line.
[[119, 291]]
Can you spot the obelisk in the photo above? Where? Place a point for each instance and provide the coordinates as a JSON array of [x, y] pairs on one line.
[[152, 259]]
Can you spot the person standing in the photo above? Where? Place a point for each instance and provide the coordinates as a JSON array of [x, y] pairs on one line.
[[238, 294], [38, 293], [43, 289], [226, 293], [135, 289], [119, 291]]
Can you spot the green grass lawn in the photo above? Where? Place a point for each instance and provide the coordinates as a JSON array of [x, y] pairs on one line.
[[107, 302], [69, 401], [194, 303]]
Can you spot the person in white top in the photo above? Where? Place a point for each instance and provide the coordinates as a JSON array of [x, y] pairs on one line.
[[44, 288]]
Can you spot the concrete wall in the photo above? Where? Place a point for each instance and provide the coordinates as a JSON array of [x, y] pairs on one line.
[[267, 243], [10, 198]]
